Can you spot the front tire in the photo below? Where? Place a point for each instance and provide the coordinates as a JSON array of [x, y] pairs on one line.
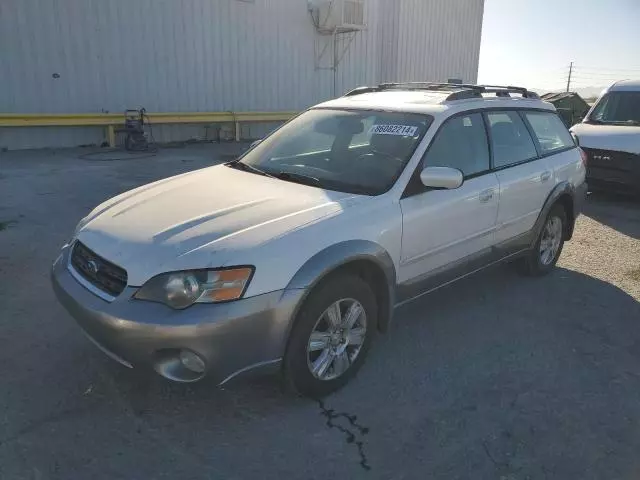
[[331, 336], [548, 247]]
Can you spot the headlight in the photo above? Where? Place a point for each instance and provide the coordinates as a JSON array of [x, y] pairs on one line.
[[183, 289]]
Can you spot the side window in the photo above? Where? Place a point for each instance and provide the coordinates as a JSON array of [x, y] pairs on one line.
[[551, 133], [510, 139], [461, 143]]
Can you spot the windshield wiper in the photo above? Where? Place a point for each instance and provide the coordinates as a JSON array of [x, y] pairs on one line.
[[613, 122], [248, 168], [298, 178]]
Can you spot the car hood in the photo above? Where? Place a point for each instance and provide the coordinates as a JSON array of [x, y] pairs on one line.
[[622, 138], [198, 219]]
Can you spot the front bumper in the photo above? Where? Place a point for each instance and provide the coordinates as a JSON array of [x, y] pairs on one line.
[[608, 185], [230, 337]]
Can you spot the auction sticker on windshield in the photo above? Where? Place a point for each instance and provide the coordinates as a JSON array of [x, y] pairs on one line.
[[403, 130]]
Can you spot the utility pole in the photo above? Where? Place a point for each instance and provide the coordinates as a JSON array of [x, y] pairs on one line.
[[569, 79]]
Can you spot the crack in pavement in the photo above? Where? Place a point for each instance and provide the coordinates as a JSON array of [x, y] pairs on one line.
[[351, 435], [503, 466], [493, 460]]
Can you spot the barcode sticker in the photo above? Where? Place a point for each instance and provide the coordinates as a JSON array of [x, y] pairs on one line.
[[402, 130]]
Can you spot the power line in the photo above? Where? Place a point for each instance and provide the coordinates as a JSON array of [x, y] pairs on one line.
[[602, 76], [612, 72], [600, 81], [578, 79], [587, 72], [589, 85], [581, 76], [606, 69]]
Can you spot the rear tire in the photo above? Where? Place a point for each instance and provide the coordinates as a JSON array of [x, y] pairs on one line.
[[324, 352], [548, 247]]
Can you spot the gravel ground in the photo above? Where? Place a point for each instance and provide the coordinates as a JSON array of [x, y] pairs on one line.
[[497, 376]]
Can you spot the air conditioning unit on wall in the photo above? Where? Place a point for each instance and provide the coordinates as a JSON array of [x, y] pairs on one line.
[[337, 16]]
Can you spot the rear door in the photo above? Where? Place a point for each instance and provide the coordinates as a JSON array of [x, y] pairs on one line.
[[556, 144], [442, 227], [525, 179]]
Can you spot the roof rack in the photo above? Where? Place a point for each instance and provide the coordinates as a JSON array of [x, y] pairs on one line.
[[459, 91]]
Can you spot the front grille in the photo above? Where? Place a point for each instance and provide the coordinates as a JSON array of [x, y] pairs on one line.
[[101, 273], [620, 170], [612, 159]]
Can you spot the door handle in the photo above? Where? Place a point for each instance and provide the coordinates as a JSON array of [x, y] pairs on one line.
[[486, 195], [545, 176]]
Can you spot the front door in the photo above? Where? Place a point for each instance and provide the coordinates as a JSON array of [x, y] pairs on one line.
[[443, 227]]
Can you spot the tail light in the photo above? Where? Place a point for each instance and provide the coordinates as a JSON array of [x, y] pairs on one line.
[[584, 156]]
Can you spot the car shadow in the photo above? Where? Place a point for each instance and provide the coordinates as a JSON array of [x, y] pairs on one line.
[[622, 213], [513, 366]]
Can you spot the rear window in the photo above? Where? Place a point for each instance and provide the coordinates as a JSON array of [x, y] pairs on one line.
[[551, 133]]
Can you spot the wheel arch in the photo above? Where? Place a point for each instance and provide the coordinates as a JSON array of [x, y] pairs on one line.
[[566, 200], [562, 194], [364, 258]]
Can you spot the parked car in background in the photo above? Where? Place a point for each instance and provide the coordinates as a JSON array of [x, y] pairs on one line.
[[295, 255], [610, 136]]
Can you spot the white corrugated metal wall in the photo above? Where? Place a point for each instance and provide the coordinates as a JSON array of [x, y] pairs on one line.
[[439, 40], [75, 56]]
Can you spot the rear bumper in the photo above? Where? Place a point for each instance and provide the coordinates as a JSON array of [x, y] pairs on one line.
[[230, 338]]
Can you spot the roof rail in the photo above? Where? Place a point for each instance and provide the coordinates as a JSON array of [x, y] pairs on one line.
[[359, 90], [459, 91]]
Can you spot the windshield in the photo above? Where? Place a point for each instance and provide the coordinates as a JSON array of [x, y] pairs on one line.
[[353, 151], [617, 108]]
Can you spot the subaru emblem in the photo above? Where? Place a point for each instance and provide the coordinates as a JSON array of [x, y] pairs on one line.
[[93, 267]]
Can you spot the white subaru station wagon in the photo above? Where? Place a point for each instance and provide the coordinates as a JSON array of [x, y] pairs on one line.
[[293, 257]]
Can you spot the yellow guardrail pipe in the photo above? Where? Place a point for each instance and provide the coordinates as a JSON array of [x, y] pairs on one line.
[[111, 120]]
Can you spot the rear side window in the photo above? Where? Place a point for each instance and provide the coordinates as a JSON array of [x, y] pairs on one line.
[[510, 140], [461, 143], [551, 133]]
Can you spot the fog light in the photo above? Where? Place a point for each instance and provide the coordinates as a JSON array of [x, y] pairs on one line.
[[191, 361]]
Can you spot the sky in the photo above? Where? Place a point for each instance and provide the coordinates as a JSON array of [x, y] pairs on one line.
[[531, 43]]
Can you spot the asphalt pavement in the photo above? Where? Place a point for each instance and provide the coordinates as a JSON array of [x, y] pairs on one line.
[[495, 377]]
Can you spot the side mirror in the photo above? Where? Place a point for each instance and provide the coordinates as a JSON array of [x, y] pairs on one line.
[[441, 177], [254, 144]]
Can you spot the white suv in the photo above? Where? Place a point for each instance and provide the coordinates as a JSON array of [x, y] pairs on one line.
[[296, 254], [610, 136]]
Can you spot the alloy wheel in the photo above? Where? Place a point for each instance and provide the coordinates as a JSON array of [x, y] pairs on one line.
[[551, 240], [336, 339]]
